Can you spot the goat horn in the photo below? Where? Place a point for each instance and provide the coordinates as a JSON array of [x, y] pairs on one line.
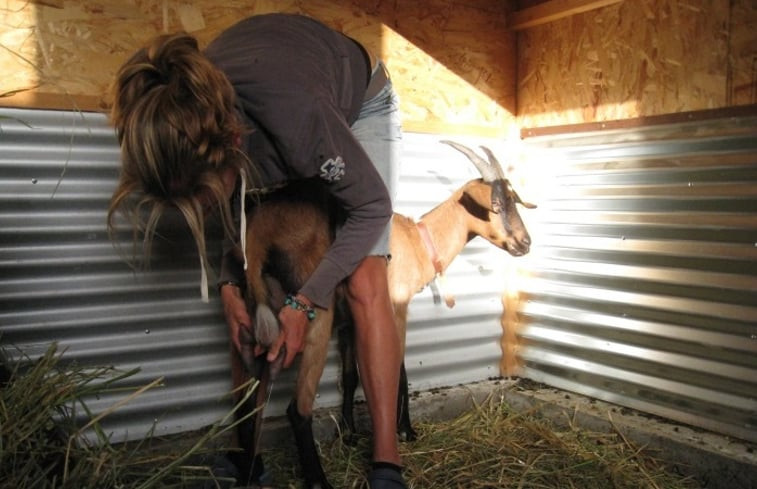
[[487, 170], [494, 162], [498, 167]]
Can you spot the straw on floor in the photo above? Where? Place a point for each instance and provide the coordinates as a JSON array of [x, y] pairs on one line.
[[492, 446]]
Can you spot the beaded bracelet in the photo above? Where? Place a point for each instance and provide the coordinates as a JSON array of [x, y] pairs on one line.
[[298, 305]]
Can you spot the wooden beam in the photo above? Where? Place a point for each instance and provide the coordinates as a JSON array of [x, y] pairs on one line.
[[49, 3], [553, 10], [30, 99]]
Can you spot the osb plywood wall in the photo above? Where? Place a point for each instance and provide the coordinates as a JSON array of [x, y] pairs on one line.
[[638, 58], [452, 61]]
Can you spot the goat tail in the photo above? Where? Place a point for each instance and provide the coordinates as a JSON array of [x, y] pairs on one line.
[[266, 325]]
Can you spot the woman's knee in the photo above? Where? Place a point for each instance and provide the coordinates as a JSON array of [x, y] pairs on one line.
[[368, 283]]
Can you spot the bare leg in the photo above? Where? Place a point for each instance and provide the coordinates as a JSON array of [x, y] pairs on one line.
[[378, 352]]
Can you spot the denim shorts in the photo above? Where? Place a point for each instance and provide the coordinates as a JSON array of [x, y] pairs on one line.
[[379, 130]]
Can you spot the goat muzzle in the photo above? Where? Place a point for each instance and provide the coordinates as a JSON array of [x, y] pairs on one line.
[[521, 246]]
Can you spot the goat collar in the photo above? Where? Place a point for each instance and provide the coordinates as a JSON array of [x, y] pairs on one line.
[[434, 255], [429, 243]]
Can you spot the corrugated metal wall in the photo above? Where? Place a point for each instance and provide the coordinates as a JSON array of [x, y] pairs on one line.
[[62, 280], [641, 288]]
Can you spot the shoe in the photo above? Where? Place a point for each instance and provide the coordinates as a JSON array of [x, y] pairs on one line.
[[385, 478]]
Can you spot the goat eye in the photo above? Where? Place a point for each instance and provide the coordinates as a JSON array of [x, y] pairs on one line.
[[498, 206]]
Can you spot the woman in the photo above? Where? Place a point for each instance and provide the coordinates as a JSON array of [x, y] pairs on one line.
[[274, 98]]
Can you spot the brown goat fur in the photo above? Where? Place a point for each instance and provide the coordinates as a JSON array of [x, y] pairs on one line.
[[287, 236]]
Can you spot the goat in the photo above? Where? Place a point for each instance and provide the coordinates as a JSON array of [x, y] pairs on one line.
[[288, 235], [421, 251], [281, 253]]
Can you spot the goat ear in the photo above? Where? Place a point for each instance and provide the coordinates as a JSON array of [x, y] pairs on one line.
[[527, 205]]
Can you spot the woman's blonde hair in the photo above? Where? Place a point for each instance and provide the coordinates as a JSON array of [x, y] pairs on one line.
[[174, 115]]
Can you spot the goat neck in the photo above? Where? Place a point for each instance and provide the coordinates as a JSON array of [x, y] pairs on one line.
[[430, 247], [448, 230], [439, 284]]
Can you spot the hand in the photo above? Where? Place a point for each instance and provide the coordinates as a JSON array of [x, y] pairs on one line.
[[293, 328], [237, 317]]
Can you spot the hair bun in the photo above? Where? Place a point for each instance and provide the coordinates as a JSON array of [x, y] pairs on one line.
[[172, 56]]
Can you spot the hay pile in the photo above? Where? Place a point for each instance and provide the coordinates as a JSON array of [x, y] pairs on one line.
[[491, 446], [50, 440]]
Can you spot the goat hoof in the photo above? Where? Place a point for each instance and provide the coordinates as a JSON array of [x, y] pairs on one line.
[[347, 433], [225, 473], [248, 472], [408, 435], [350, 438]]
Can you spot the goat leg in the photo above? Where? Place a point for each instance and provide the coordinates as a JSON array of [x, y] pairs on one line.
[[248, 461], [350, 377], [350, 380], [404, 426], [302, 427]]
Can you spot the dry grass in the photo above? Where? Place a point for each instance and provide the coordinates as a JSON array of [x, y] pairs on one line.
[[49, 438], [491, 446]]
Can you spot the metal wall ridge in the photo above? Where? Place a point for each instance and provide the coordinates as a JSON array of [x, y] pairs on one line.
[[641, 288]]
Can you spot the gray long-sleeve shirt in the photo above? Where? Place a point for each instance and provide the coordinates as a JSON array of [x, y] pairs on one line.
[[300, 86]]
